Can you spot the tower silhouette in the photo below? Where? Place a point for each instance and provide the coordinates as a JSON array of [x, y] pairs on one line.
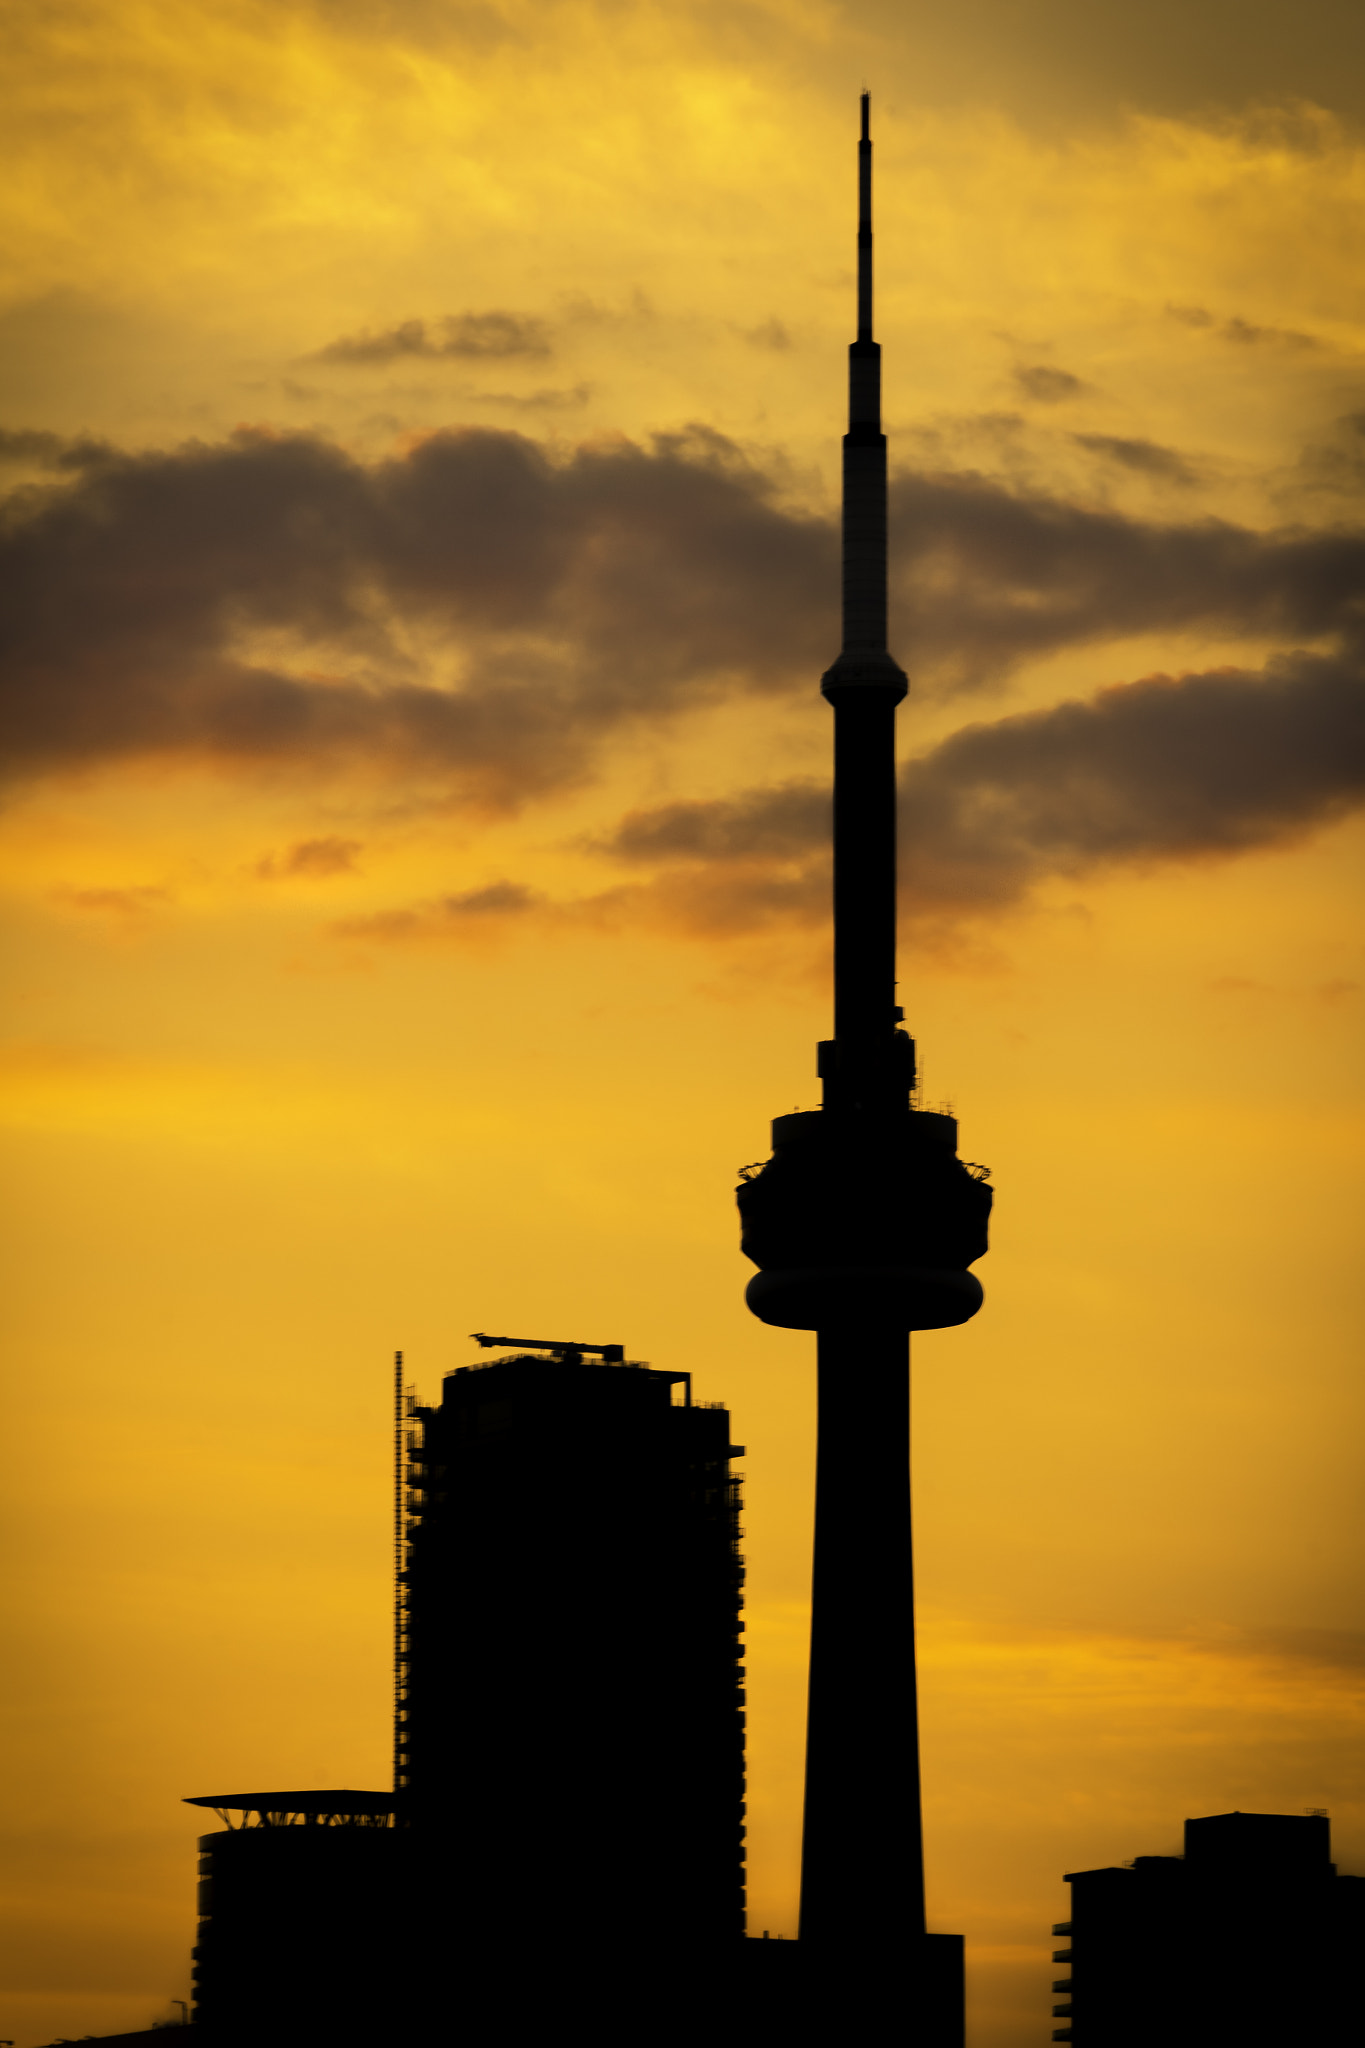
[[863, 1224]]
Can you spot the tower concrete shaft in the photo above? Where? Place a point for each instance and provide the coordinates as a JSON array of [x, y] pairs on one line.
[[862, 1859]]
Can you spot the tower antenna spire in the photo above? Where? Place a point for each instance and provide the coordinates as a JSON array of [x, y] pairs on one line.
[[865, 223], [865, 685]]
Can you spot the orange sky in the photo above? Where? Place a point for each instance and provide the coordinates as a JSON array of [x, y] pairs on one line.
[[421, 430]]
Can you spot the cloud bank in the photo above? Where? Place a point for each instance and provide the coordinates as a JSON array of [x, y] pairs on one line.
[[468, 335], [986, 577], [1169, 768], [470, 610], [479, 613]]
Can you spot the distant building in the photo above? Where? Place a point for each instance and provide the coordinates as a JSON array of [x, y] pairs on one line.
[[300, 1916], [1251, 1937], [571, 1714]]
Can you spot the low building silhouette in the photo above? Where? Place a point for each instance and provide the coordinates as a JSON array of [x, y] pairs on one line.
[[1250, 1937], [301, 1915]]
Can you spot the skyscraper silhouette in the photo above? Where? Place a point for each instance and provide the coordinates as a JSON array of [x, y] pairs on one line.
[[572, 1718], [1250, 1938], [863, 1224]]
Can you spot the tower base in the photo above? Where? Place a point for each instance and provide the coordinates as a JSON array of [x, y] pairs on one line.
[[789, 1994]]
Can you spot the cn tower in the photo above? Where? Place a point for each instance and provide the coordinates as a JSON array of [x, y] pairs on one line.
[[863, 1225]]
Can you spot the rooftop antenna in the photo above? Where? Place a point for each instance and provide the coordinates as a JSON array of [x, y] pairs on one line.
[[571, 1353], [568, 1351]]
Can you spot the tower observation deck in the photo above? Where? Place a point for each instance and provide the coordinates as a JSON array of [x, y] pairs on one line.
[[864, 1224]]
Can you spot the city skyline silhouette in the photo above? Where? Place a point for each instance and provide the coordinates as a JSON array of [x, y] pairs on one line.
[[421, 543]]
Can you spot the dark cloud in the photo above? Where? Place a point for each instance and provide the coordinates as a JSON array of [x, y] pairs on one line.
[[1068, 66], [1048, 386], [315, 859], [775, 824], [1334, 466], [1338, 1649], [1170, 768], [1248, 335], [37, 449], [468, 335], [459, 916], [31, 445], [479, 617], [768, 334], [270, 602], [1147, 458], [984, 577], [125, 903], [550, 398], [1244, 332]]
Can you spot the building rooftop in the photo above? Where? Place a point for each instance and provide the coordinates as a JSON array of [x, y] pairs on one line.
[[288, 1809]]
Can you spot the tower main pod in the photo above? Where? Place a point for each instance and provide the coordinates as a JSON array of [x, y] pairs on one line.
[[863, 1225]]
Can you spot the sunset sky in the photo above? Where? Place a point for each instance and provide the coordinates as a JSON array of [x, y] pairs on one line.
[[420, 439]]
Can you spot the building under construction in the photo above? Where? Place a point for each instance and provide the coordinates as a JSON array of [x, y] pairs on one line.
[[570, 1726]]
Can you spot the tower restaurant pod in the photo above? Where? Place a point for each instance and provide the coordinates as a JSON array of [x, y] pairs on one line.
[[863, 1221]]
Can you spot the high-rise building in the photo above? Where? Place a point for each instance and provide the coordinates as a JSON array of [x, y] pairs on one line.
[[571, 1712], [1250, 1937]]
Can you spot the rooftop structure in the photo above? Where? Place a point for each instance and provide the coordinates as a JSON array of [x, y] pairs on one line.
[[335, 1809], [301, 1916]]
